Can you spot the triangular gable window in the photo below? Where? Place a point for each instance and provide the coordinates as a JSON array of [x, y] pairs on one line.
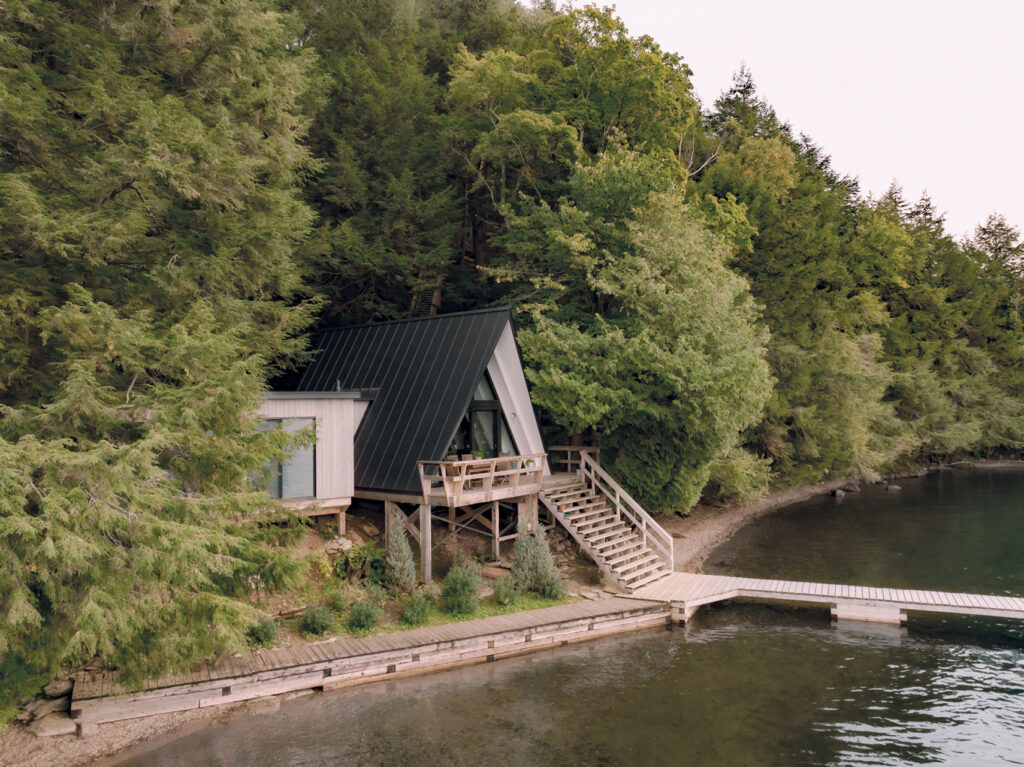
[[482, 430]]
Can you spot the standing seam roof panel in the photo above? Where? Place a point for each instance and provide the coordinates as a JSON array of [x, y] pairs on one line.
[[424, 371]]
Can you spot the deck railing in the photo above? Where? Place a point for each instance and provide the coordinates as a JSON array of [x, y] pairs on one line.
[[458, 482], [622, 503], [570, 462]]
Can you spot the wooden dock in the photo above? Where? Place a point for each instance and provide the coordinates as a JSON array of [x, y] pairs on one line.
[[99, 697], [686, 592]]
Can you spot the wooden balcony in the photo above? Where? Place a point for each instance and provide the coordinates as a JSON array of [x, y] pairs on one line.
[[465, 482]]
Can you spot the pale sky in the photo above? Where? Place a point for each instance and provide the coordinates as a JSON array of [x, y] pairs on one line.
[[924, 92]]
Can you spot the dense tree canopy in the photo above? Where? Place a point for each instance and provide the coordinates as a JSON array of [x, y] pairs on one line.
[[189, 188]]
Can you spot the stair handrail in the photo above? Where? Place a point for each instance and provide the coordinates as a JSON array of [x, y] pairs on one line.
[[654, 534]]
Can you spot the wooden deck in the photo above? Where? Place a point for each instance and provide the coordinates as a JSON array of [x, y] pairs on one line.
[[454, 482], [688, 591], [99, 697]]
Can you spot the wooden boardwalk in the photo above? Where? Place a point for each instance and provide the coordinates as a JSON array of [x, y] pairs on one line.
[[99, 697], [688, 591]]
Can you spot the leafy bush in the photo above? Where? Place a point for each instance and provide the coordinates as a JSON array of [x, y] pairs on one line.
[[263, 632], [317, 620], [738, 474], [533, 568], [504, 590], [399, 565], [362, 563], [458, 593], [416, 608], [363, 616]]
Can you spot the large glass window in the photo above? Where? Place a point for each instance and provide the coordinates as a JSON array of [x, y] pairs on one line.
[[482, 431], [295, 477]]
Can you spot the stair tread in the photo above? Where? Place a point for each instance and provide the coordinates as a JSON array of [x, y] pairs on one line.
[[637, 557], [641, 574], [642, 569], [648, 580], [631, 540]]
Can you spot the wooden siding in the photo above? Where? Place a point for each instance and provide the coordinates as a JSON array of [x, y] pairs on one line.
[[336, 423]]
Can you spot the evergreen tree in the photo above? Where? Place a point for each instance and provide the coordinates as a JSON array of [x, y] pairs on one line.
[[149, 159], [399, 565]]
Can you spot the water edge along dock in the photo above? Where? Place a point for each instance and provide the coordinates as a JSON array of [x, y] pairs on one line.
[[686, 592]]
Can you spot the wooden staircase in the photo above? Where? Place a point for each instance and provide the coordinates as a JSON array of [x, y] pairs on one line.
[[624, 541]]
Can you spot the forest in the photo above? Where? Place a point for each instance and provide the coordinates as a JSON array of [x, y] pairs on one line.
[[190, 190]]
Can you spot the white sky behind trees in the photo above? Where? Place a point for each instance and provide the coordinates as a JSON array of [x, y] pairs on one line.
[[926, 93]]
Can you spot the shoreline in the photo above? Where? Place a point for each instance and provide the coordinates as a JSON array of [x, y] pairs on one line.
[[695, 537]]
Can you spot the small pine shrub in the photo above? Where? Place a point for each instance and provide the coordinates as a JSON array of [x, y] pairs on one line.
[[363, 563], [416, 608], [316, 620], [504, 590], [364, 616], [263, 632], [399, 565], [533, 568], [458, 593]]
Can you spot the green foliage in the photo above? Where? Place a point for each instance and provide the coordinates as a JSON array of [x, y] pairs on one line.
[[317, 620], [505, 590], [458, 592], [364, 616], [336, 599], [363, 564], [263, 633], [416, 607], [399, 565], [149, 183], [738, 474], [533, 569]]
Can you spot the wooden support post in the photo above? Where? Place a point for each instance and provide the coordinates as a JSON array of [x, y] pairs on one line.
[[426, 572], [389, 514], [341, 523], [496, 530], [528, 512], [451, 519]]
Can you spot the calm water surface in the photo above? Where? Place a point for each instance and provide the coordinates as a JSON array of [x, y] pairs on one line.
[[742, 685]]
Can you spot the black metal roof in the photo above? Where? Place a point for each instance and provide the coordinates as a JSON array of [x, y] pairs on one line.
[[424, 370]]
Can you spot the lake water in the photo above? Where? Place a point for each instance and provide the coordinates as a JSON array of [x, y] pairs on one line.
[[741, 685]]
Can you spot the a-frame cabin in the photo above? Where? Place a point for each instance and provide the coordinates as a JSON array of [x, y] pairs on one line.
[[450, 424]]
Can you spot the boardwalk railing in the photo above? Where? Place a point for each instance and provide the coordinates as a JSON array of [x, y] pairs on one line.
[[478, 480]]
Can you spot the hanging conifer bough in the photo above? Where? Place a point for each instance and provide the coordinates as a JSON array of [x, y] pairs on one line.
[[149, 159]]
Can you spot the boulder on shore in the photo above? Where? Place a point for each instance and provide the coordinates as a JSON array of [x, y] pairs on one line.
[[58, 688], [57, 723]]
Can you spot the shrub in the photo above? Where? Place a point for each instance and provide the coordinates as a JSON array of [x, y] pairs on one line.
[[416, 608], [263, 632], [336, 599], [362, 563], [399, 565], [533, 568], [458, 593], [375, 593], [317, 620], [363, 616], [504, 590]]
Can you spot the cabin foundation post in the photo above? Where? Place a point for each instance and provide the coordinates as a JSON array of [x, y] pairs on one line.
[[495, 531], [451, 519], [341, 522], [426, 547], [528, 513]]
